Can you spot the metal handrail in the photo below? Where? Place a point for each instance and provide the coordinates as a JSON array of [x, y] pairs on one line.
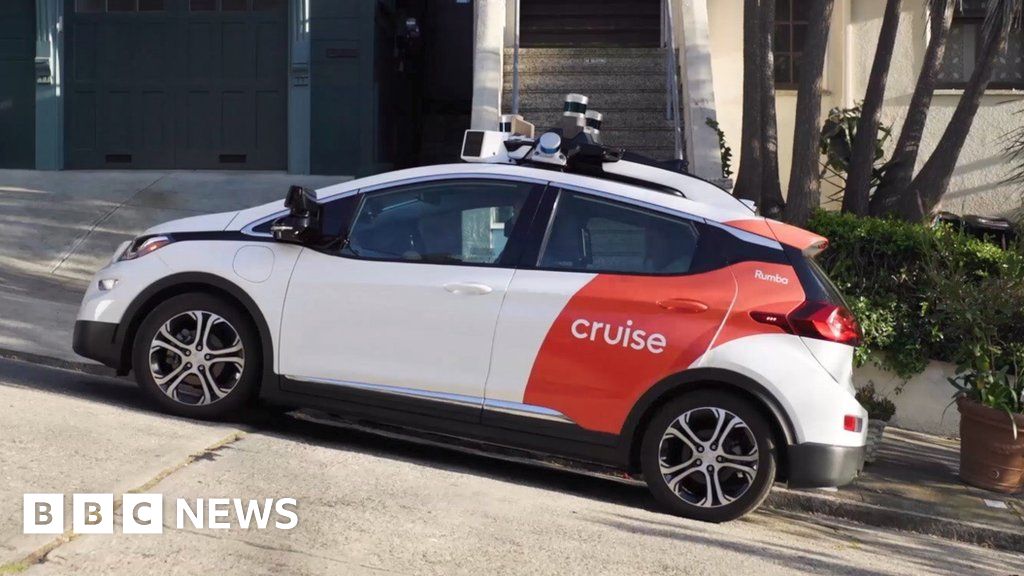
[[515, 65], [672, 112]]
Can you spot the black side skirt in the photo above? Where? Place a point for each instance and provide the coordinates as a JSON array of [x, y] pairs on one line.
[[461, 420]]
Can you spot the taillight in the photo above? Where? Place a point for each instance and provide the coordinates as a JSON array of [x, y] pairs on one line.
[[816, 320], [853, 423], [826, 321]]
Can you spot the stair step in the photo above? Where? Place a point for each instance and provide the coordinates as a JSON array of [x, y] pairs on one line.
[[662, 153], [589, 64], [590, 51], [618, 38], [653, 138], [570, 25], [586, 83], [604, 102], [613, 119], [530, 10]]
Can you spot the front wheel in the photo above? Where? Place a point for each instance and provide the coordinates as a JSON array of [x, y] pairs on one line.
[[709, 456], [197, 355]]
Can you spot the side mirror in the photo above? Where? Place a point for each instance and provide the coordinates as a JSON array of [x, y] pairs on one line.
[[302, 224]]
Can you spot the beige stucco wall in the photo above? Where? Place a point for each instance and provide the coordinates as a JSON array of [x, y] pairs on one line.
[[978, 185]]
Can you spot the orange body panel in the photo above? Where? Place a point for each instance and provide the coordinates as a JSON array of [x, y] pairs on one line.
[[585, 371]]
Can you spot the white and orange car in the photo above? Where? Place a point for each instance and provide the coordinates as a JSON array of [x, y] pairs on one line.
[[597, 307]]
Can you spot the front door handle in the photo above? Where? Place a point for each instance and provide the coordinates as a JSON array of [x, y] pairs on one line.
[[469, 288], [685, 305]]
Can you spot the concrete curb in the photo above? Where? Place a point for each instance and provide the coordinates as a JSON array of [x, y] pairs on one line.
[[43, 360], [873, 515]]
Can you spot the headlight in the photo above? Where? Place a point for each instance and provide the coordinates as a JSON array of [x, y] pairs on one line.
[[144, 245]]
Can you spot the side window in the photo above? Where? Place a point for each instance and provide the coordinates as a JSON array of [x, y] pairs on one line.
[[444, 222], [593, 235]]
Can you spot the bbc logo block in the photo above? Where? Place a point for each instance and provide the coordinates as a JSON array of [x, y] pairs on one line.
[[43, 514], [93, 514]]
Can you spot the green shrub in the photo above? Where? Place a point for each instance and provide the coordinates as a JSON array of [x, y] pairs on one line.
[[924, 293], [878, 407]]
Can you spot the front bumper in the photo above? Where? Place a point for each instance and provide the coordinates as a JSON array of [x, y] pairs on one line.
[[812, 465], [99, 341]]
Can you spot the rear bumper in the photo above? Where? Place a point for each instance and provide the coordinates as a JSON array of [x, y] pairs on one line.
[[98, 341], [823, 465]]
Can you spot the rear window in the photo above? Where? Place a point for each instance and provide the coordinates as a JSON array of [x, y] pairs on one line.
[[818, 285]]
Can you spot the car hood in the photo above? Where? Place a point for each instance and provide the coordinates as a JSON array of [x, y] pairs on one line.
[[204, 223]]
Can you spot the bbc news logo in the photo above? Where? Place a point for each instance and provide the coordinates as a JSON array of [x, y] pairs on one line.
[[144, 513]]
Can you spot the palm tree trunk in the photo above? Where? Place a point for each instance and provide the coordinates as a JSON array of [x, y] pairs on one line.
[[862, 155], [900, 169], [772, 203], [805, 180], [931, 183], [751, 170]]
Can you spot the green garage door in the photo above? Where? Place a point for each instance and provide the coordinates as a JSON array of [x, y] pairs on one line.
[[176, 84], [17, 83]]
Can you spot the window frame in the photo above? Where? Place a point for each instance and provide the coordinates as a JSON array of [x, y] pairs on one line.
[[545, 219], [977, 18], [515, 244], [792, 84]]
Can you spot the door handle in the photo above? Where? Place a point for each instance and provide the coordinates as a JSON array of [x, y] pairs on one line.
[[469, 288], [685, 305]]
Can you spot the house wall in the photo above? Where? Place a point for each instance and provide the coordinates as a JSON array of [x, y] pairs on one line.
[[924, 403], [978, 185]]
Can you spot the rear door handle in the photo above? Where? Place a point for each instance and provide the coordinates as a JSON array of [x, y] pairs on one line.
[[685, 305], [468, 288]]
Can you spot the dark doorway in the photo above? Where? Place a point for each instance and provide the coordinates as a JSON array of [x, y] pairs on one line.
[[585, 23], [176, 84], [433, 95], [17, 84]]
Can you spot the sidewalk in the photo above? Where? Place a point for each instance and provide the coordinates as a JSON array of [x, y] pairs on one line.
[[56, 228], [914, 486]]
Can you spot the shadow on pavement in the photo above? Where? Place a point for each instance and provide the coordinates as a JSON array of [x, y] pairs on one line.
[[123, 393], [930, 555]]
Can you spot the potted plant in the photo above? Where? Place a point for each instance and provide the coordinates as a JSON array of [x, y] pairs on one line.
[[880, 410], [983, 323], [991, 429]]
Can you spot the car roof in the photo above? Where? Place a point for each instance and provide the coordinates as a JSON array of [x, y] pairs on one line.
[[701, 199], [654, 197]]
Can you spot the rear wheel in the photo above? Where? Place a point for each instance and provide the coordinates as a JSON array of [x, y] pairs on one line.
[[197, 355], [709, 456]]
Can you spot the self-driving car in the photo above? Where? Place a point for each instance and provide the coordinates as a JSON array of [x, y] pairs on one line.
[[555, 296]]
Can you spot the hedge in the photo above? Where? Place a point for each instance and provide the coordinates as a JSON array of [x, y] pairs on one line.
[[924, 293]]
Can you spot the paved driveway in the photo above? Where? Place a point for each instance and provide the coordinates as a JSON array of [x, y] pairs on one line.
[[58, 228]]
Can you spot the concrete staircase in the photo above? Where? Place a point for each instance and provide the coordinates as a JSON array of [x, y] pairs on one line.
[[625, 84]]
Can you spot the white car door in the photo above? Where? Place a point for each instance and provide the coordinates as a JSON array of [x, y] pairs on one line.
[[408, 304]]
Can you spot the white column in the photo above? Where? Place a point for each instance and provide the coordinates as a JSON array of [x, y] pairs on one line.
[[50, 92], [298, 87], [488, 47], [698, 91]]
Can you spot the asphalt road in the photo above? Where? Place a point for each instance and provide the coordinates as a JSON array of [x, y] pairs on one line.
[[369, 504]]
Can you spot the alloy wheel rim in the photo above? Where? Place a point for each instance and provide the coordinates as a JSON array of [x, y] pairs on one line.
[[708, 457], [196, 358]]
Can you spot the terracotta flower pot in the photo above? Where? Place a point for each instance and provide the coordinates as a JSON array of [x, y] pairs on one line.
[[990, 458]]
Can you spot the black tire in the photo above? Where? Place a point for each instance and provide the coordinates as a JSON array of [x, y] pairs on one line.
[[723, 507], [241, 384]]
